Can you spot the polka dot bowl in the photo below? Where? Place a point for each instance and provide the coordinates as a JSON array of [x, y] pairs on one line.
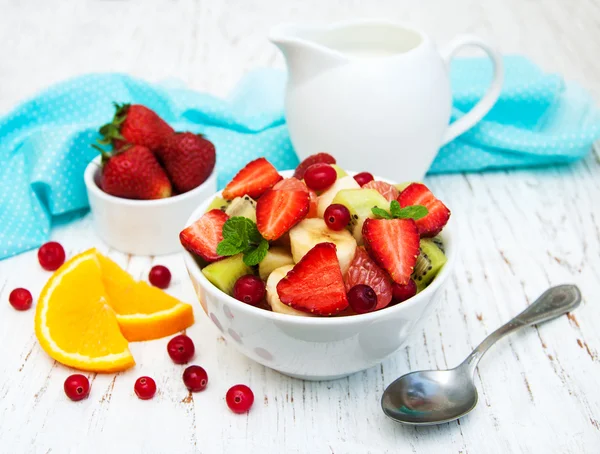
[[142, 227], [317, 348]]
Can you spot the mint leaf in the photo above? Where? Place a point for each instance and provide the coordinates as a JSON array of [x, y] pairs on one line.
[[412, 212], [227, 248], [395, 209], [380, 213], [240, 234], [253, 256], [233, 230], [253, 234]]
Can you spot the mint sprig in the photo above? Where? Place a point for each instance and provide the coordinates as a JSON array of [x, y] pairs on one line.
[[240, 235], [415, 212]]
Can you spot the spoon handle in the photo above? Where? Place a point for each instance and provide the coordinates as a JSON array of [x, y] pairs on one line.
[[553, 303]]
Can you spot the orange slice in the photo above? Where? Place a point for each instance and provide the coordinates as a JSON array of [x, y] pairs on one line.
[[74, 323], [91, 307], [143, 312]]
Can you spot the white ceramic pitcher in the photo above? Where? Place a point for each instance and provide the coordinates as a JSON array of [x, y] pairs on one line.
[[375, 94]]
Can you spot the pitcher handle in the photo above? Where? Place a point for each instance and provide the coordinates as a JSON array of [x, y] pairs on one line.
[[485, 104]]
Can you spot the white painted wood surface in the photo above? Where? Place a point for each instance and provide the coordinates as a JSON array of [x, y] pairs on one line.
[[521, 232]]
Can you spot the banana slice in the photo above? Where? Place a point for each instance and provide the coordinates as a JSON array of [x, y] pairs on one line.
[[273, 297], [325, 199], [310, 232]]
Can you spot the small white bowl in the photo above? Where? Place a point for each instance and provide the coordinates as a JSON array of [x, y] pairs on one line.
[[142, 227], [315, 348]]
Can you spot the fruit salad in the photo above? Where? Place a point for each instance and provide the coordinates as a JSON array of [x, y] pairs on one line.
[[321, 243]]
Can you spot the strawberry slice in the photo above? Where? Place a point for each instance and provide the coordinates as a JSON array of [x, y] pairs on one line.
[[203, 236], [315, 284], [279, 211], [363, 270], [253, 180], [312, 159], [293, 184], [394, 245], [436, 219], [385, 189]]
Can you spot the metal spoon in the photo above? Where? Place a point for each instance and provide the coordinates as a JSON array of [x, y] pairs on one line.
[[438, 396]]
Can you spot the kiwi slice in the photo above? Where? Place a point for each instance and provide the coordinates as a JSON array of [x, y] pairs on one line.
[[242, 206], [340, 172], [224, 273], [276, 258], [359, 202], [439, 243], [218, 203], [430, 261]]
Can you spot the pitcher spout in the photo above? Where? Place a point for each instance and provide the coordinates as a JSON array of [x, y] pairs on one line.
[[304, 54]]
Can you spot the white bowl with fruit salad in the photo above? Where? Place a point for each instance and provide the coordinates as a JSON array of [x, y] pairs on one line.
[[318, 273]]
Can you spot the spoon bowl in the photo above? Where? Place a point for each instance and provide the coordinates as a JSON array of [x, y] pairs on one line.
[[430, 397], [439, 396]]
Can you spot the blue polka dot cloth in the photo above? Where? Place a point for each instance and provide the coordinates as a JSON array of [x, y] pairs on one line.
[[45, 142]]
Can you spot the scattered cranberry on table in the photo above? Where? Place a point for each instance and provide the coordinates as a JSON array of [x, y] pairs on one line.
[[362, 299], [181, 349], [160, 276], [401, 293], [320, 176], [77, 387], [337, 216], [249, 289], [145, 388], [20, 299], [239, 398], [363, 178], [195, 378], [51, 256]]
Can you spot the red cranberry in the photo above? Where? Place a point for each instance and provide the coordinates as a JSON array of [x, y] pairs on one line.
[[336, 216], [181, 349], [249, 289], [77, 387], [403, 292], [145, 388], [362, 299], [20, 299], [239, 398], [320, 176], [195, 378], [51, 256], [160, 276], [363, 178]]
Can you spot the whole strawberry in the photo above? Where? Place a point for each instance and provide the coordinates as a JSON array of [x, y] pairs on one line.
[[134, 173], [189, 159], [137, 125]]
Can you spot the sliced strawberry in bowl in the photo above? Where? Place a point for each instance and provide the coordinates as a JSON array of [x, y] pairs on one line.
[[438, 214], [293, 184], [385, 189], [315, 284], [204, 235], [278, 211], [309, 161], [394, 245], [253, 180], [363, 270]]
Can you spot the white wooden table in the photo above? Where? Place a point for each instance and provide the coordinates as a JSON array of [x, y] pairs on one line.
[[522, 231]]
